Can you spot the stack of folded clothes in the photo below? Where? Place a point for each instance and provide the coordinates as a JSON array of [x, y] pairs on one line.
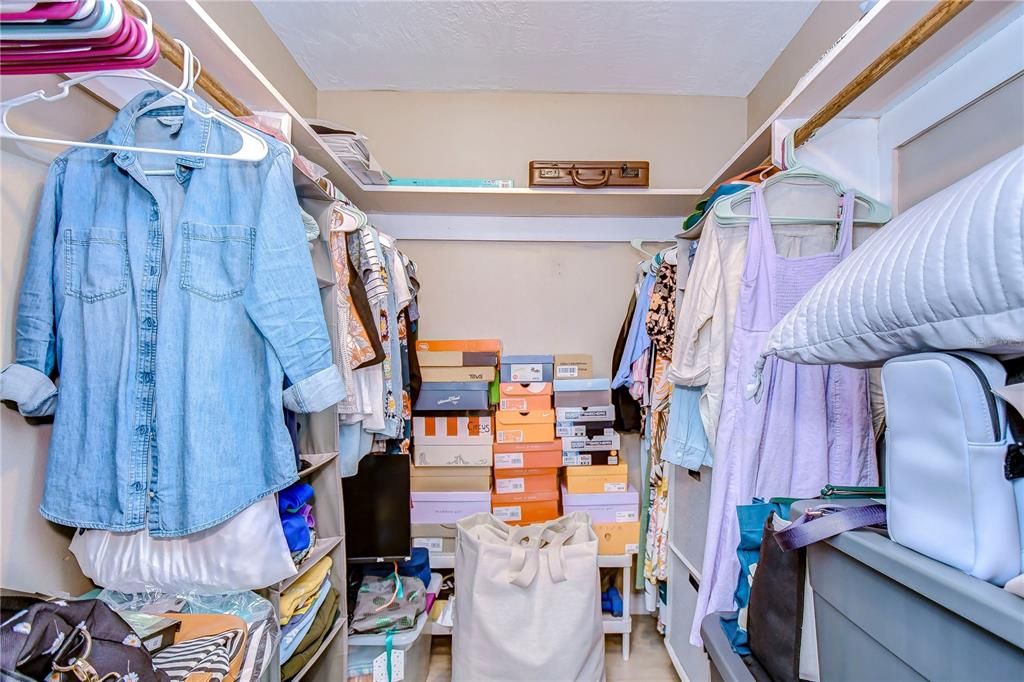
[[308, 611], [297, 520]]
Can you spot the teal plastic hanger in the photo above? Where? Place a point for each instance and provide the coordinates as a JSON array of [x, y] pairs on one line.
[[727, 213]]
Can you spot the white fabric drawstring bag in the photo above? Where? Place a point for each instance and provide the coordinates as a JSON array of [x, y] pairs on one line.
[[246, 552], [528, 605]]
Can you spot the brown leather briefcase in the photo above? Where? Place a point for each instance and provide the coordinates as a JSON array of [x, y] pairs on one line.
[[590, 174]]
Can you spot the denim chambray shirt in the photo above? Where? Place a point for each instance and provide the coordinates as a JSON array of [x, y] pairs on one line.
[[172, 306]]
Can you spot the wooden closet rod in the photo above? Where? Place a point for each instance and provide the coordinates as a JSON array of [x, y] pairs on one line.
[[937, 17], [173, 53]]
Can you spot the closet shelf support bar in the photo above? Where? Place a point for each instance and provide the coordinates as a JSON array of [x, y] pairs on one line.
[[173, 53]]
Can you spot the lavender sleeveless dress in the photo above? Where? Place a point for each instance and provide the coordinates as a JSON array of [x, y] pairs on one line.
[[812, 424]]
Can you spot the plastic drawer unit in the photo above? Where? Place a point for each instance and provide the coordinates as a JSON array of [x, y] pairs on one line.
[[690, 662], [885, 612], [726, 664], [691, 492]]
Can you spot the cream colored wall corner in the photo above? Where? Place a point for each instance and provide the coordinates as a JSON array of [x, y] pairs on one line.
[[34, 554], [497, 134], [249, 30], [824, 27]]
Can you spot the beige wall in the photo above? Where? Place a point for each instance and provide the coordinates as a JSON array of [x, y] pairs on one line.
[[34, 554], [823, 28], [496, 135], [249, 30], [536, 297]]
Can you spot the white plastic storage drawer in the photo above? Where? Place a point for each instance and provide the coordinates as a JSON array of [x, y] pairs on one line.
[[682, 604], [414, 645], [691, 492]]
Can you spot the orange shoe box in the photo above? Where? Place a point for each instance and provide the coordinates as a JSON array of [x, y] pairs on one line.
[[601, 478], [524, 427], [525, 480], [463, 345], [537, 388], [525, 403], [527, 455], [618, 538], [525, 508]]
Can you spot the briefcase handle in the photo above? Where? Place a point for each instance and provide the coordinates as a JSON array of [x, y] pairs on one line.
[[580, 182]]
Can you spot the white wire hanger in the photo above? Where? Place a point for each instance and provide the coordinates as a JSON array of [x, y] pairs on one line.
[[726, 208], [253, 148]]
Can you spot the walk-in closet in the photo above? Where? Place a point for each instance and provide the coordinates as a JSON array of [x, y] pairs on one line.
[[511, 341]]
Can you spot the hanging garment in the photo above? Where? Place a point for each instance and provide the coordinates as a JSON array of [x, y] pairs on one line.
[[661, 315], [224, 558], [686, 444], [159, 403], [707, 314], [353, 346], [627, 411], [637, 340], [813, 425]]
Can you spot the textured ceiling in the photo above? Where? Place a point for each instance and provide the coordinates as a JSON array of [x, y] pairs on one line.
[[678, 47]]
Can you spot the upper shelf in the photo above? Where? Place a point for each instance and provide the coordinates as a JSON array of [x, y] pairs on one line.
[[867, 39]]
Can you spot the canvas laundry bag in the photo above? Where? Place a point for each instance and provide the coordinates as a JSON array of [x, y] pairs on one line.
[[528, 604]]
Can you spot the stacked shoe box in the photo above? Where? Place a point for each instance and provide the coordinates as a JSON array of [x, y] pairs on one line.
[[453, 438], [596, 474], [526, 454]]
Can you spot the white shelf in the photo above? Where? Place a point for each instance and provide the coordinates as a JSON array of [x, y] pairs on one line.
[[617, 626], [883, 25], [521, 201], [868, 38], [615, 560], [316, 461], [322, 548]]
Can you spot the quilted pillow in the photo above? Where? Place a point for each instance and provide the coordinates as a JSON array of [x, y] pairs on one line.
[[946, 274]]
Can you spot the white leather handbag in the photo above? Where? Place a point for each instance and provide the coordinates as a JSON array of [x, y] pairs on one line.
[[948, 492]]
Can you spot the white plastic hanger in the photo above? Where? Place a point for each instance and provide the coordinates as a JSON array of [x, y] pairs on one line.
[[353, 218], [191, 68], [253, 148], [727, 215], [638, 244]]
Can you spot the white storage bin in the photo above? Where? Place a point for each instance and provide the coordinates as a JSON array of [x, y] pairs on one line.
[[414, 644]]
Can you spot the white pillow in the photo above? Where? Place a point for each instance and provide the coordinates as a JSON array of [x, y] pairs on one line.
[[946, 274]]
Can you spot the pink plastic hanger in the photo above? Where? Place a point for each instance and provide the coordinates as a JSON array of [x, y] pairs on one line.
[[46, 11]]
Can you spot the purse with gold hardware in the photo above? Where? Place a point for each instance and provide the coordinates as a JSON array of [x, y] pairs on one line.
[[590, 174], [73, 641]]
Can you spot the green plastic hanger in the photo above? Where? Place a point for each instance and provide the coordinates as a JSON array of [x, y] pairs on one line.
[[726, 209]]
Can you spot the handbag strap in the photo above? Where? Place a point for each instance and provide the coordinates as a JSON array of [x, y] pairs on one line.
[[822, 522]]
